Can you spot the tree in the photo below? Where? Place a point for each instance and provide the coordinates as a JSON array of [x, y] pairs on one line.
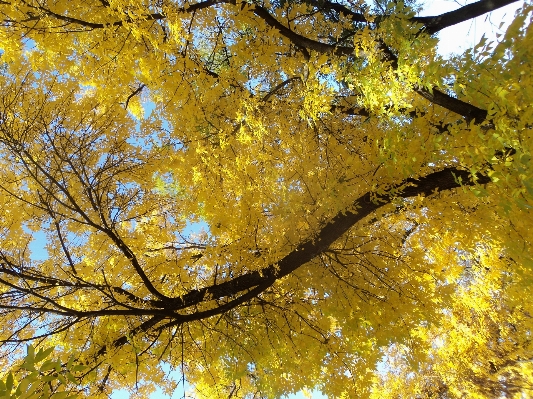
[[355, 191]]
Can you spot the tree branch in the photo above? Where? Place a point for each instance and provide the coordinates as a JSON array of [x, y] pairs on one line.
[[469, 111], [446, 179], [297, 39], [436, 23]]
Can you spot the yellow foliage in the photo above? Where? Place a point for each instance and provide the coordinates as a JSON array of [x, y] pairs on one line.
[[268, 197]]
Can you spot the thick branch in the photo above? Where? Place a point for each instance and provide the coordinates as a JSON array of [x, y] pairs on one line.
[[342, 9], [447, 179], [432, 24], [436, 23], [297, 39], [353, 111], [469, 111]]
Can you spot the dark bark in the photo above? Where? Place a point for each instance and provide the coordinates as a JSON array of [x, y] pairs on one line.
[[299, 40], [447, 179], [248, 286], [329, 5], [469, 111], [432, 24], [438, 22]]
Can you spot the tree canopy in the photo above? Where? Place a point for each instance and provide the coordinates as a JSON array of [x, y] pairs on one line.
[[268, 196]]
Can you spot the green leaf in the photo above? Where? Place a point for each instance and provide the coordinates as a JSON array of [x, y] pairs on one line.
[[9, 382], [48, 378], [30, 353], [33, 396], [30, 390], [62, 379], [51, 365], [24, 384], [43, 354], [70, 362], [71, 378]]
